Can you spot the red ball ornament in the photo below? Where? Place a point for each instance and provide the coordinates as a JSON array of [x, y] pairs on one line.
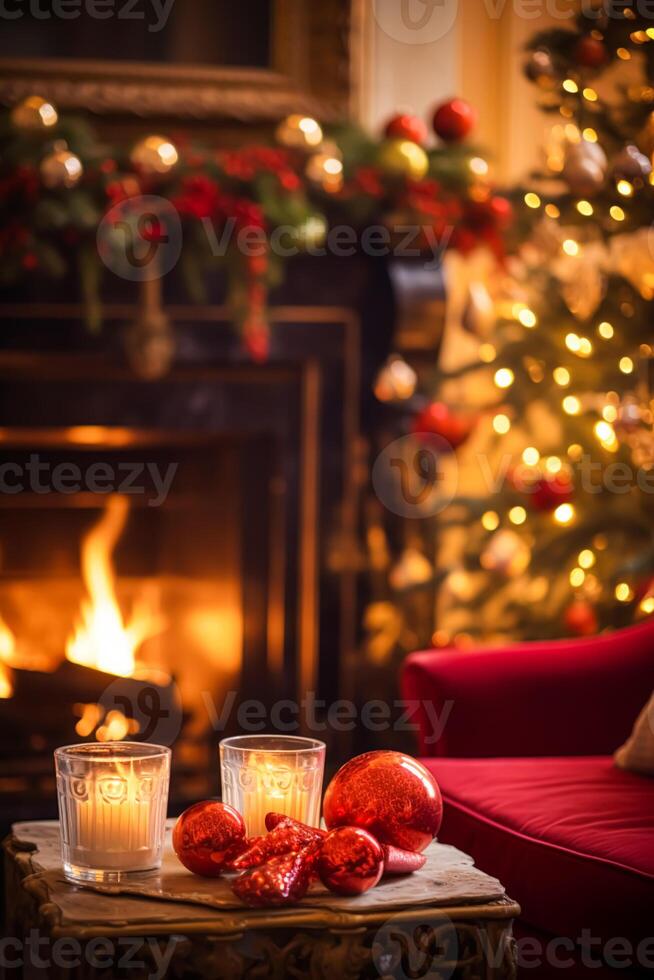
[[208, 836], [388, 794], [407, 127], [454, 120], [580, 618], [350, 861], [437, 419], [590, 52], [550, 491]]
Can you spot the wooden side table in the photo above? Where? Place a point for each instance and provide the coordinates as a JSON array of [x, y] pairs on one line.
[[448, 920]]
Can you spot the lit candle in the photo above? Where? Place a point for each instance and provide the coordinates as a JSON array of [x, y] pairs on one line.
[[272, 774], [112, 807]]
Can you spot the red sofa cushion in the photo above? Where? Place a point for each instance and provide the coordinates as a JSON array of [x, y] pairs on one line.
[[571, 839]]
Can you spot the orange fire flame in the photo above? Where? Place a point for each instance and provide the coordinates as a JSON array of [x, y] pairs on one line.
[[102, 640], [7, 648]]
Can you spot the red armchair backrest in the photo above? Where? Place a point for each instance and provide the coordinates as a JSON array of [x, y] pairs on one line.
[[563, 697]]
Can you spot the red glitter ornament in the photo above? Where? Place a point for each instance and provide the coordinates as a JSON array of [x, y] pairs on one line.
[[285, 836], [590, 52], [399, 862], [350, 861], [406, 127], [283, 880], [437, 419], [454, 120], [550, 491], [580, 618], [389, 794], [208, 836]]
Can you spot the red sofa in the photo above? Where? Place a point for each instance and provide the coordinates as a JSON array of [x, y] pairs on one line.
[[525, 766]]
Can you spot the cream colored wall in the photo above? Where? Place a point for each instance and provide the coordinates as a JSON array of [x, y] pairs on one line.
[[479, 57]]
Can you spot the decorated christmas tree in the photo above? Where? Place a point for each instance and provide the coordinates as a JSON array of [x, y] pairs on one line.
[[541, 521]]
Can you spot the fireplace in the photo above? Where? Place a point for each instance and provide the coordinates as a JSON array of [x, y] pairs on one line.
[[162, 543]]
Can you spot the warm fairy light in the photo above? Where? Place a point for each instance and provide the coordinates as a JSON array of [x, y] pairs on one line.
[[490, 520], [647, 605], [575, 451], [626, 365], [564, 514], [586, 558], [585, 347], [638, 37], [570, 85], [531, 456], [532, 200], [585, 208], [646, 350], [623, 592], [573, 342], [517, 515], [610, 413], [650, 33], [487, 353], [527, 318], [577, 576], [617, 213], [553, 464], [604, 431], [311, 129], [333, 166], [478, 166], [625, 188], [571, 405], [501, 424], [552, 211], [562, 376], [590, 135], [590, 94], [600, 542], [570, 247], [624, 54], [606, 330], [504, 377]]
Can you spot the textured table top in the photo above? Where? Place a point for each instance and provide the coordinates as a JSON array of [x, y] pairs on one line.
[[174, 899]]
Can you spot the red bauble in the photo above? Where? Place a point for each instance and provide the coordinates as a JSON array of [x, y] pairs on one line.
[[590, 52], [350, 861], [389, 794], [454, 120], [208, 836], [437, 419], [580, 618], [550, 491], [407, 127]]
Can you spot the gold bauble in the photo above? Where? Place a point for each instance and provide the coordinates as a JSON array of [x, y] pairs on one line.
[[396, 380], [298, 132], [61, 168], [325, 168], [154, 156], [34, 114], [402, 158]]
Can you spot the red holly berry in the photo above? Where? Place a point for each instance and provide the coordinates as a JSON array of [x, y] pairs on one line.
[[407, 127], [400, 862], [208, 836], [590, 52], [285, 836], [283, 880], [454, 120]]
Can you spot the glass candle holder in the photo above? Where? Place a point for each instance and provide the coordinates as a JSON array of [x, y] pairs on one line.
[[272, 773], [113, 799]]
